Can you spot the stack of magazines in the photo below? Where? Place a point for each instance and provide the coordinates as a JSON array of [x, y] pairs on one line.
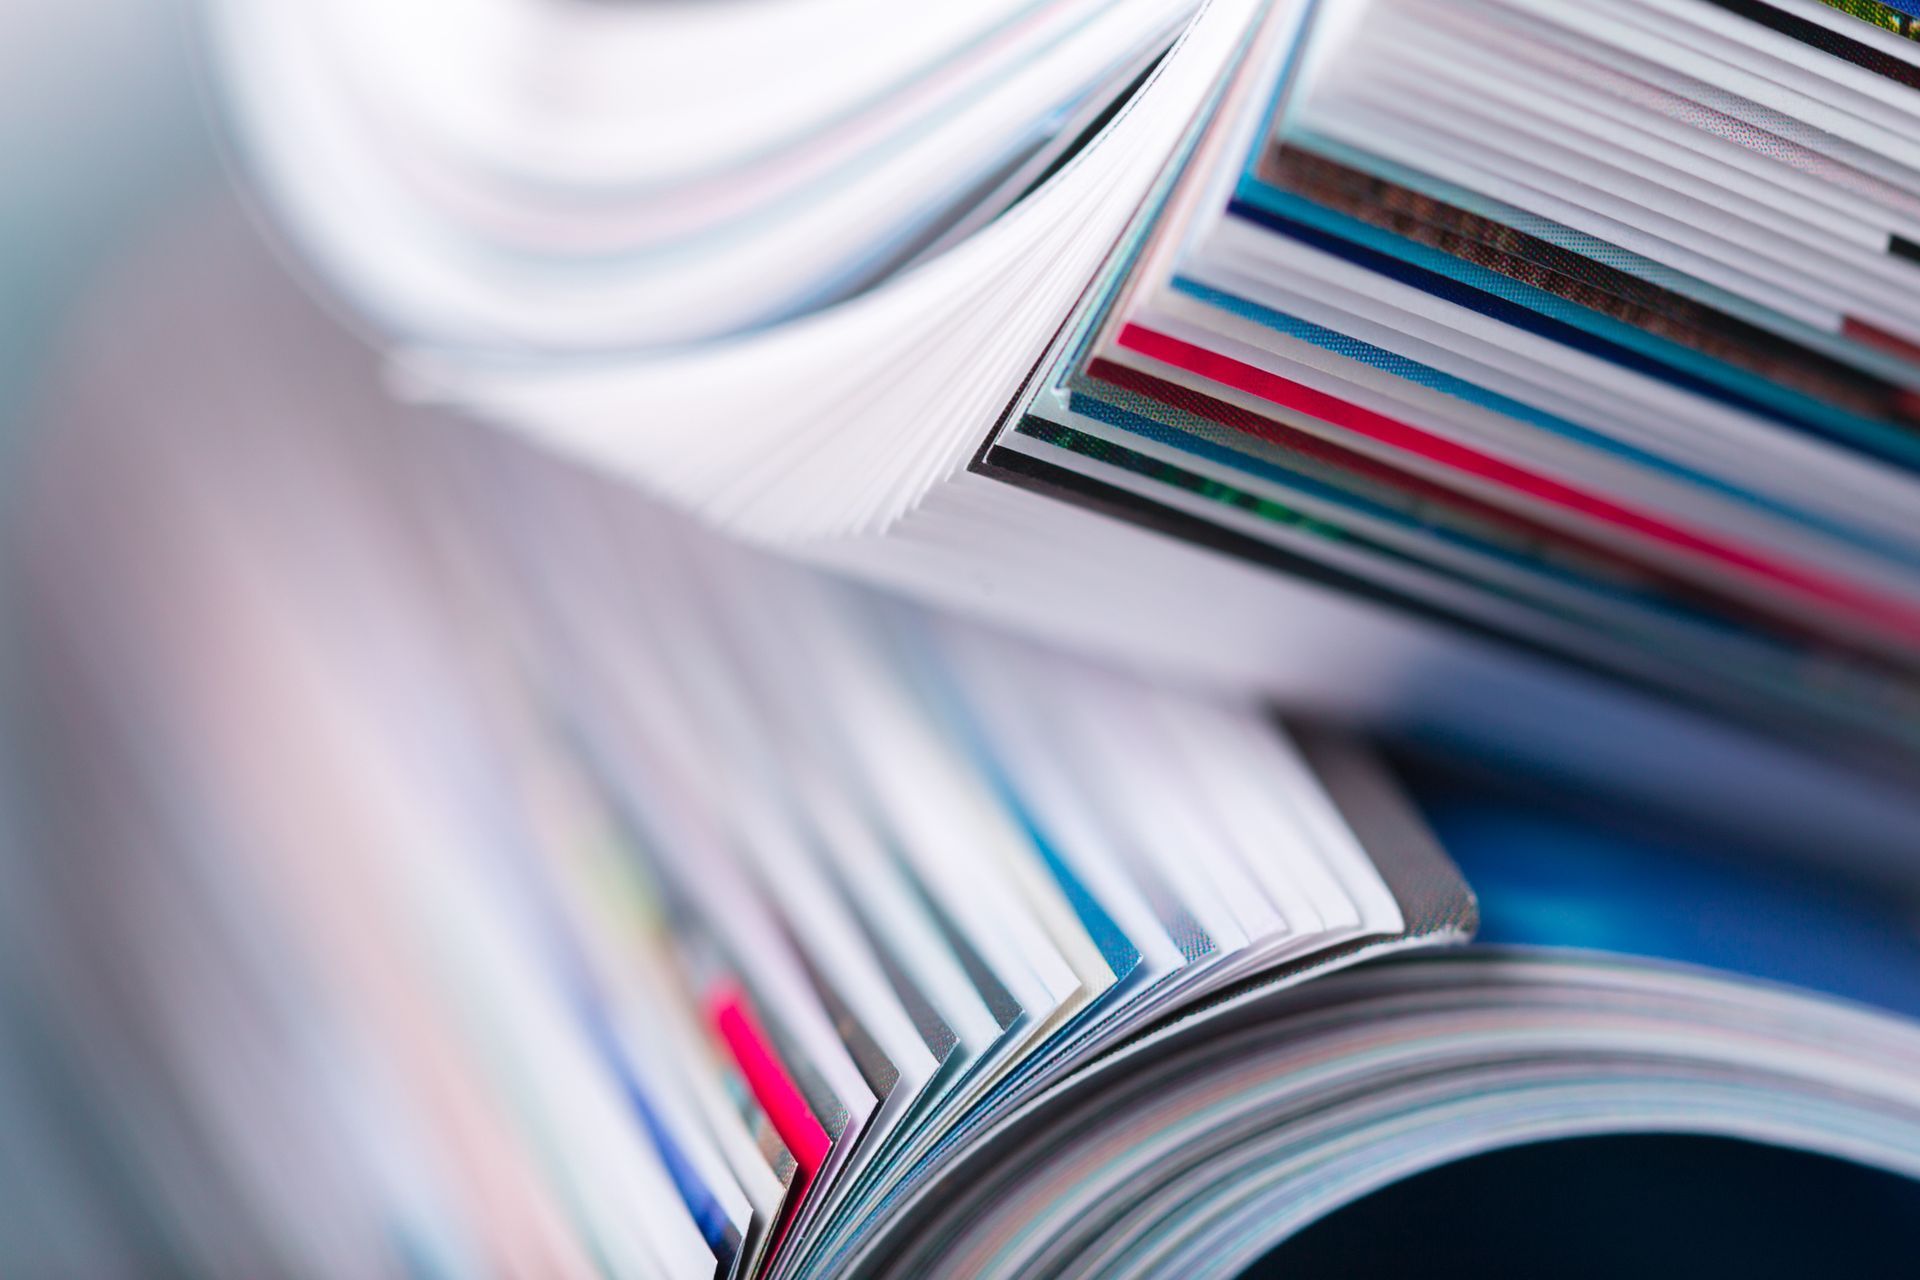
[[468, 868], [1568, 354], [914, 752]]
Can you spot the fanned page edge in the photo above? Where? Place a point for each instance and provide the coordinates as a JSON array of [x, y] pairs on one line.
[[1435, 902], [839, 423]]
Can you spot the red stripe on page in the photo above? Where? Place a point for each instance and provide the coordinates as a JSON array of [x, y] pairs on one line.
[[1405, 480], [1874, 336], [1348, 416], [772, 1087]]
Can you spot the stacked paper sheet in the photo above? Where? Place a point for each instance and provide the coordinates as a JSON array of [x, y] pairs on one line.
[[1596, 326]]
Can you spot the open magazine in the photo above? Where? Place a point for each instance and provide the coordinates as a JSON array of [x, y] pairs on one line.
[[469, 867], [1531, 376]]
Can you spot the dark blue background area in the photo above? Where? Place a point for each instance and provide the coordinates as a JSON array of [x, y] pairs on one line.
[[1632, 1205], [1553, 871]]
